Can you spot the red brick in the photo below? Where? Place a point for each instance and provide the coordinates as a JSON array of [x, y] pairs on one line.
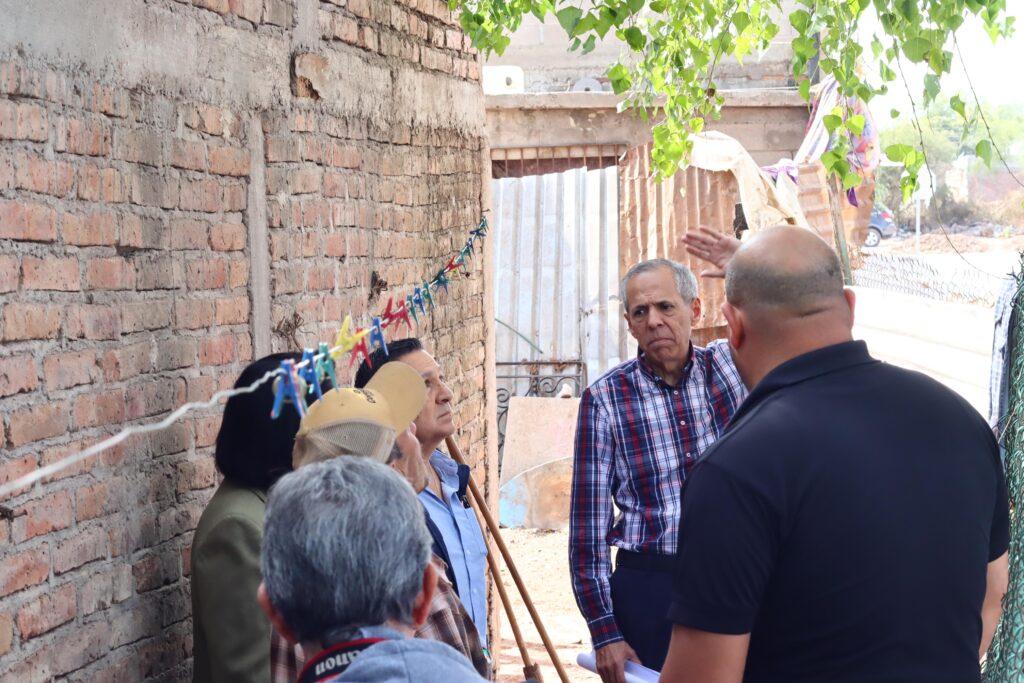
[[27, 222], [102, 184], [305, 180], [17, 374], [155, 570], [60, 274], [152, 398], [282, 148], [23, 121], [250, 10], [235, 197], [24, 569], [200, 195], [360, 8], [345, 29], [91, 501], [233, 311], [14, 469], [94, 409], [206, 274], [345, 156], [93, 322], [8, 273], [126, 362], [188, 154], [83, 547], [69, 369], [110, 273], [47, 612], [278, 13], [33, 173], [228, 237], [239, 276], [143, 232], [88, 138], [95, 229], [31, 321], [82, 645], [189, 234], [151, 188], [38, 422], [205, 119], [6, 634], [42, 516], [137, 145], [193, 314], [217, 350], [151, 314], [229, 161]]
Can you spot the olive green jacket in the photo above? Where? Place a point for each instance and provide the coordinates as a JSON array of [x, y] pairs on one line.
[[231, 635]]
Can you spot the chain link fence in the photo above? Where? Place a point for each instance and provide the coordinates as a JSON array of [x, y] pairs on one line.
[[919, 276]]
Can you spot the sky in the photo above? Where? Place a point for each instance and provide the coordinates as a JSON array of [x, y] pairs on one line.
[[992, 68]]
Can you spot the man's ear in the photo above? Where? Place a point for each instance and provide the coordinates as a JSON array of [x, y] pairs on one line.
[[737, 331], [851, 301], [695, 308], [275, 617], [421, 608]]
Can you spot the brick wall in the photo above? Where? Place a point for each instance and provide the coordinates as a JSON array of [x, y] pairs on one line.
[[162, 223]]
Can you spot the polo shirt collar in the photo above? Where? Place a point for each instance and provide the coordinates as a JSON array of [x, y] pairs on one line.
[[804, 367], [645, 369]]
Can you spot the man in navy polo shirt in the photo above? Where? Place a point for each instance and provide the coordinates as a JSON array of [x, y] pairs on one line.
[[851, 523]]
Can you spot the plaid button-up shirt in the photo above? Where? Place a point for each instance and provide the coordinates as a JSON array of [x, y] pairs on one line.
[[448, 623], [636, 438]]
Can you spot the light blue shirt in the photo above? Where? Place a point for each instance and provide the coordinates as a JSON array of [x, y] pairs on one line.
[[462, 538]]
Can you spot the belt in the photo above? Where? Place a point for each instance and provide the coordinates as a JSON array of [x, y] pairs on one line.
[[652, 562]]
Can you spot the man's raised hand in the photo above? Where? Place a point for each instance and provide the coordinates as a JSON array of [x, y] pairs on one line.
[[713, 247]]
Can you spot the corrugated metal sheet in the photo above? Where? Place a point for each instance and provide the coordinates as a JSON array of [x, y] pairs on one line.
[[556, 254], [654, 216]]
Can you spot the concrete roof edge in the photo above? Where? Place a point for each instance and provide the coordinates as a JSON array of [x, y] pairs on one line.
[[752, 97]]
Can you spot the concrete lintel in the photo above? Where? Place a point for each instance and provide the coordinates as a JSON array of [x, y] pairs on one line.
[[754, 97]]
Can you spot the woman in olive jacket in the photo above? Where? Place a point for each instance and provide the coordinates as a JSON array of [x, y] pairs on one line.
[[231, 635]]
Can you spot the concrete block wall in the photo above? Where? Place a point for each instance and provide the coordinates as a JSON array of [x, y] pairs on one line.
[[184, 187]]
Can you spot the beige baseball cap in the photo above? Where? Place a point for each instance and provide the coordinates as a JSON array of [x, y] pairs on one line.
[[348, 421]]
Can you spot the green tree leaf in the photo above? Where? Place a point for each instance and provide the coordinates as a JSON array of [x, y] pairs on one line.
[[634, 37], [805, 89], [916, 49], [568, 17], [931, 88], [856, 124], [984, 152], [800, 20], [957, 105]]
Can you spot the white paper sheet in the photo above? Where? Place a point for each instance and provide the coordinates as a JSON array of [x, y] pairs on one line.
[[635, 673]]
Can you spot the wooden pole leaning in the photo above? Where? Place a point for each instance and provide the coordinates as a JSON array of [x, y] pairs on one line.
[[492, 525]]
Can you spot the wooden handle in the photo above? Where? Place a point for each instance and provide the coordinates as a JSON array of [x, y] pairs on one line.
[[492, 525]]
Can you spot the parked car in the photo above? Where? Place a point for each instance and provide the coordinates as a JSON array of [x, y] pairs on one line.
[[881, 226]]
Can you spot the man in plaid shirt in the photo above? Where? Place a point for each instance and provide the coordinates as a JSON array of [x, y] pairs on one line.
[[641, 428]]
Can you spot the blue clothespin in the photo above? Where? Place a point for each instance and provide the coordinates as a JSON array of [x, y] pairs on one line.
[[481, 229], [427, 296], [325, 364], [417, 298], [286, 389], [468, 249], [377, 336], [441, 281], [310, 373]]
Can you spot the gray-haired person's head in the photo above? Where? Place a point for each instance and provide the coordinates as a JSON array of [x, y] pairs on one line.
[[686, 281], [345, 546]]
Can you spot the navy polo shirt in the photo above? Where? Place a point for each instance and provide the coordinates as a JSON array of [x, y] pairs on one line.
[[845, 520]]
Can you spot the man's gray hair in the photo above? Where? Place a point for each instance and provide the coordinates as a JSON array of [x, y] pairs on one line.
[[345, 546], [686, 282]]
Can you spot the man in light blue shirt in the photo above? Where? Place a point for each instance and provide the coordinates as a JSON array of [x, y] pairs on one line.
[[457, 535]]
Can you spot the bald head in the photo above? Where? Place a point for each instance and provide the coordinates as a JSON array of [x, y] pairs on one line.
[[785, 271]]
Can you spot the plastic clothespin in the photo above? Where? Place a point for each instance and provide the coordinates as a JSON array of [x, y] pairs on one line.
[[401, 314], [410, 308], [310, 374], [417, 298], [427, 296], [377, 336], [325, 364], [346, 341], [287, 389], [360, 347], [481, 229], [441, 281], [468, 249]]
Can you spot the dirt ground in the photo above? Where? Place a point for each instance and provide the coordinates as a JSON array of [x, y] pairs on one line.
[[938, 243], [542, 560]]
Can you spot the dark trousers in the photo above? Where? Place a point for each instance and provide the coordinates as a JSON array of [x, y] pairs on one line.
[[641, 591]]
